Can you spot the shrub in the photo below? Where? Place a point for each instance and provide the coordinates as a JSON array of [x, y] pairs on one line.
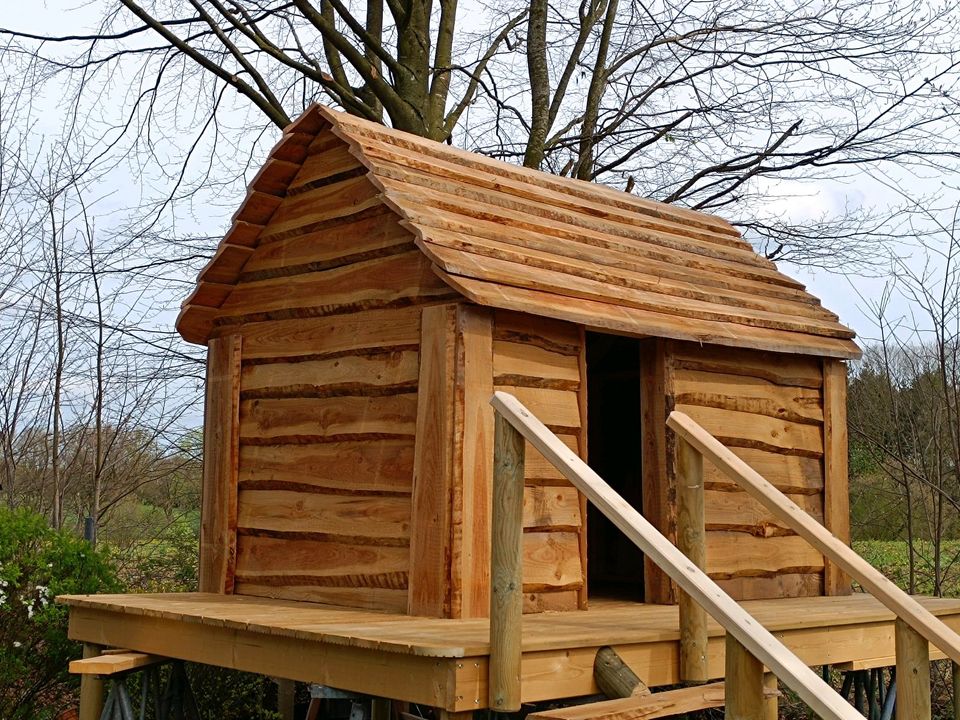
[[38, 563]]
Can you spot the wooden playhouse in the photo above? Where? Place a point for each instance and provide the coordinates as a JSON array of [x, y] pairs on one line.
[[373, 292]]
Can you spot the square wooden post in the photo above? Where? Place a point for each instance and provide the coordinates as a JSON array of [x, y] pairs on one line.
[[506, 568], [913, 673], [743, 684], [691, 539]]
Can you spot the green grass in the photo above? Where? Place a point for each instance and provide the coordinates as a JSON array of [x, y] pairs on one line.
[[891, 557]]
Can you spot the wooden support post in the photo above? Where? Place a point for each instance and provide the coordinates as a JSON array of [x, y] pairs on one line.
[[691, 539], [614, 677], [380, 708], [506, 570], [771, 709], [913, 673], [286, 698], [743, 684], [956, 690], [91, 688]]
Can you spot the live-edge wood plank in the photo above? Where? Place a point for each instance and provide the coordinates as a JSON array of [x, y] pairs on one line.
[[220, 465]]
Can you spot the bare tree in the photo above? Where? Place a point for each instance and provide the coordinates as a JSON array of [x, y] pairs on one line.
[[708, 104]]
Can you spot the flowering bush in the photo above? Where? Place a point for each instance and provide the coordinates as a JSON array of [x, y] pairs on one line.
[[37, 564]]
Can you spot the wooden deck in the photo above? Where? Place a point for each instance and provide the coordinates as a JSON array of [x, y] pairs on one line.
[[443, 663]]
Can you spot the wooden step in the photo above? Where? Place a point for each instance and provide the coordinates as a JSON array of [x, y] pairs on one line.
[[645, 707], [114, 662]]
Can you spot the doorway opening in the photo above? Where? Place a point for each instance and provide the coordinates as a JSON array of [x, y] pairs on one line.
[[614, 564]]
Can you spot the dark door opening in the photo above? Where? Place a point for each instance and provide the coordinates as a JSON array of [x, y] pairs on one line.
[[614, 564]]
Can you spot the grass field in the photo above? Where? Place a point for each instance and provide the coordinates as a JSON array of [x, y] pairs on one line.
[[892, 558]]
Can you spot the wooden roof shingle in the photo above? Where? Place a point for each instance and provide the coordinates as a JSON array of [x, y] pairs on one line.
[[514, 238]]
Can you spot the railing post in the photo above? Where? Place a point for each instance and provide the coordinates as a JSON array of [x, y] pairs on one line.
[[506, 568], [913, 673], [691, 539], [743, 683]]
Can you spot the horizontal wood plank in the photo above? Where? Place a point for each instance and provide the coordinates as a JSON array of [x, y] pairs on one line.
[[515, 363], [329, 418], [349, 465], [738, 512], [733, 554], [334, 559], [338, 245], [366, 598], [291, 511], [741, 429], [301, 211], [320, 336], [372, 283], [747, 394], [551, 560], [551, 507], [368, 373], [556, 408]]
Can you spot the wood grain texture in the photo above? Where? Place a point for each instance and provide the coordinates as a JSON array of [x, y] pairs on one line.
[[913, 674], [430, 552], [871, 579], [540, 360], [743, 691], [692, 541], [645, 265], [356, 465], [737, 622], [378, 282], [385, 372], [473, 452], [507, 565], [332, 335], [289, 511], [658, 476], [220, 465], [767, 409], [836, 494]]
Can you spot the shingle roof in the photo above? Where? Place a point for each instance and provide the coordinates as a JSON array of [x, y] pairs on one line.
[[514, 238]]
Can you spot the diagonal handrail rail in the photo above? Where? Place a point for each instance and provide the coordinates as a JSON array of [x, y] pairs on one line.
[[819, 696], [876, 583]]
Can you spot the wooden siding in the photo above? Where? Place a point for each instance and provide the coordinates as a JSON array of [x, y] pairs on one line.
[[540, 362], [767, 408], [328, 305]]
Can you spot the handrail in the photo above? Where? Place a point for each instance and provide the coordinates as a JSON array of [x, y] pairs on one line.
[[896, 600], [819, 696]]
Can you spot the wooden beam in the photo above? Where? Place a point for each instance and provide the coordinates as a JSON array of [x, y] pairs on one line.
[[836, 492], [91, 687], [692, 541], [614, 677], [113, 663], [669, 703], [872, 580], [473, 456], [506, 570], [657, 505], [422, 680], [913, 673], [430, 546], [735, 619], [221, 439]]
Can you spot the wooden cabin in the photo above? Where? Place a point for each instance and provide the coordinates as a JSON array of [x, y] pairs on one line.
[[375, 288], [373, 292]]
